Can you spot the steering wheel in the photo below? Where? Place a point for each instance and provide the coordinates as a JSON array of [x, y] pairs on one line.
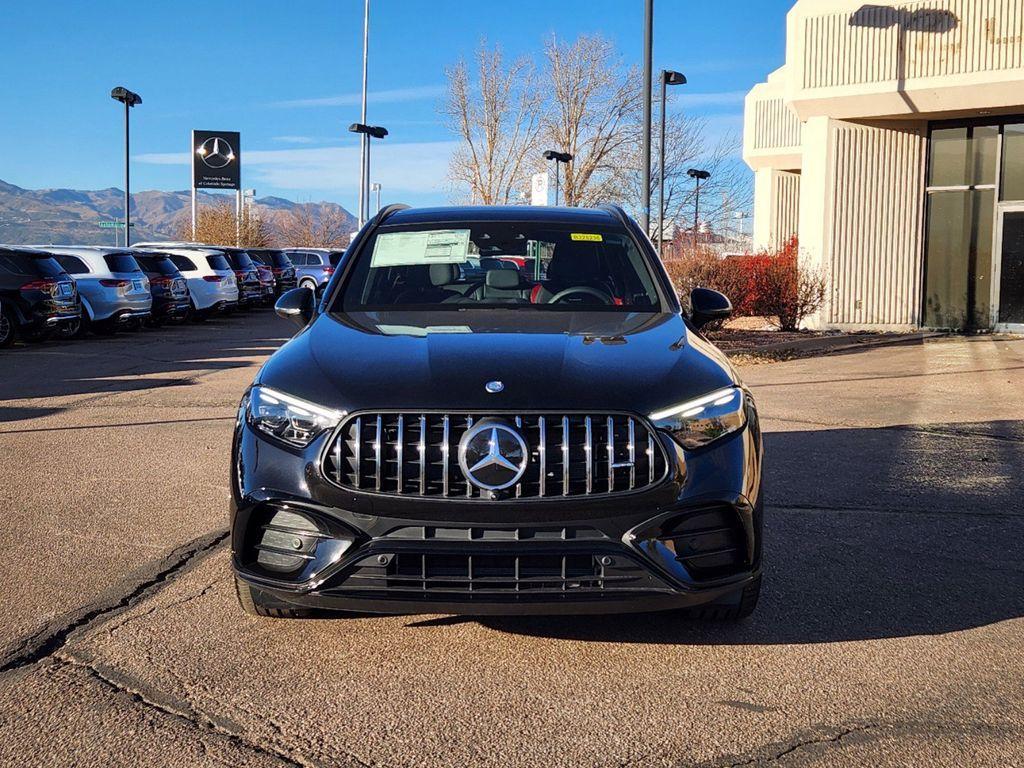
[[581, 291]]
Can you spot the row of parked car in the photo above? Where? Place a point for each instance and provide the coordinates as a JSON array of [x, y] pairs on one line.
[[71, 290]]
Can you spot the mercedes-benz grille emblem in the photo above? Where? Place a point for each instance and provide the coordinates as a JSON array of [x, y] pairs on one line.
[[215, 152], [493, 455]]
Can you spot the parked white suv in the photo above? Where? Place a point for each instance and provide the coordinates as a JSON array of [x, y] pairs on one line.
[[112, 287], [211, 279]]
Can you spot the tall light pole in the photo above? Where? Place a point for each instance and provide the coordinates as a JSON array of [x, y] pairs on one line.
[[129, 99], [645, 204], [668, 77], [364, 140], [558, 157], [698, 176], [375, 187], [366, 132]]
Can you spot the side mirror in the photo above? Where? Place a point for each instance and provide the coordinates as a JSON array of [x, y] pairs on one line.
[[708, 306], [297, 305]]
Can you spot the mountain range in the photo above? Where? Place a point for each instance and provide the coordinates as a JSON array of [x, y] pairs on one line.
[[72, 217]]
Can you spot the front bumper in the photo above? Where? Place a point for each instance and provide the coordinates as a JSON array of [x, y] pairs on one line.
[[651, 550]]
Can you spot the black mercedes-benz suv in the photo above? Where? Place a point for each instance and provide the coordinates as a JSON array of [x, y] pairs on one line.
[[498, 411]]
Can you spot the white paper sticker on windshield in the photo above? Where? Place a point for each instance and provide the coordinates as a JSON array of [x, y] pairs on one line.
[[401, 249]]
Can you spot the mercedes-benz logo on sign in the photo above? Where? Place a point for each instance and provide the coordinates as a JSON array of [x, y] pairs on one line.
[[493, 455], [215, 152]]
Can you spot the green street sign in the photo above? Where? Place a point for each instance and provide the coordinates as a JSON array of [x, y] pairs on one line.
[[112, 225]]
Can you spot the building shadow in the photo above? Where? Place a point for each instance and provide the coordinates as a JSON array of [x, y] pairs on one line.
[[925, 20], [870, 534]]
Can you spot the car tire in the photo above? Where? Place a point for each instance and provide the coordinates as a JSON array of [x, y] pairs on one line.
[[8, 328], [733, 607], [70, 329], [307, 284], [256, 602]]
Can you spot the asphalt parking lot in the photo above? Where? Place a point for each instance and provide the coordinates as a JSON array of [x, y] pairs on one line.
[[891, 629]]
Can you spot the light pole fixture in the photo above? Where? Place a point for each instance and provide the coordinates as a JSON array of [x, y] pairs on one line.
[[668, 77], [698, 176], [129, 99], [375, 187], [558, 157], [366, 132], [645, 198]]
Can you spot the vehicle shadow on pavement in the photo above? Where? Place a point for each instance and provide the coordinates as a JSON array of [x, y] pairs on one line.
[[143, 359], [869, 533]]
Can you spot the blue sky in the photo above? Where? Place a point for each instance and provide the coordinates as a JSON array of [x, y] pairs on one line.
[[287, 75]]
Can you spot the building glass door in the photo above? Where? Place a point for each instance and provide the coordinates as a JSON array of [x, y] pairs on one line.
[[1011, 267]]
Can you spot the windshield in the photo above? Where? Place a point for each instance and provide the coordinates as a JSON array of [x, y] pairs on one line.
[[218, 261], [160, 264], [528, 265], [48, 267], [241, 260], [121, 262]]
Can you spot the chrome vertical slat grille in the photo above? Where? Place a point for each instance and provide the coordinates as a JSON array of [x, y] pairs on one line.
[[411, 454]]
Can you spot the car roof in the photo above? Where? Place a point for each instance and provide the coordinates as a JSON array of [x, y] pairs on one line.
[[24, 250], [83, 250], [474, 213]]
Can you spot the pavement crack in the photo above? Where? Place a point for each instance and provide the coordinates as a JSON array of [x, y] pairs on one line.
[[775, 752], [52, 637], [181, 711]]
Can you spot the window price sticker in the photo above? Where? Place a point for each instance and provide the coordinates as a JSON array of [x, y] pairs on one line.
[[583, 237], [403, 249]]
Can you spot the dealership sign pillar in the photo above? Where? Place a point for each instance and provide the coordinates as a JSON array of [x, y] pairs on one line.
[[216, 164]]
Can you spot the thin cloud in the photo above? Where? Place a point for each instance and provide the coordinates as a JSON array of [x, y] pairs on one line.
[[294, 139], [718, 99], [419, 167], [392, 96]]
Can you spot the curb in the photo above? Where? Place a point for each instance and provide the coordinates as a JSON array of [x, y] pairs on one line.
[[824, 345]]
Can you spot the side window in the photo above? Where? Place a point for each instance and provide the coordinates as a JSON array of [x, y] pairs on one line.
[[315, 259], [72, 265], [8, 265], [298, 259]]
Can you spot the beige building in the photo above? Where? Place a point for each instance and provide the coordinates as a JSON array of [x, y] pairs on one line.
[[892, 144]]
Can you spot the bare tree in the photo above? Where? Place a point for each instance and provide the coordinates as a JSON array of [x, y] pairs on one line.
[[497, 118], [593, 103], [313, 226], [687, 145], [591, 109], [216, 224]]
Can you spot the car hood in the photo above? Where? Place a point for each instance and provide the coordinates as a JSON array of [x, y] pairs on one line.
[[545, 360]]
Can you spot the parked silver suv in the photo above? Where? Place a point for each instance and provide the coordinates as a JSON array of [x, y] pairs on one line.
[[112, 287], [313, 266]]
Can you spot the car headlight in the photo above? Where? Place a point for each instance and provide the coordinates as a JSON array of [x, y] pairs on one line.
[[697, 423], [288, 418]]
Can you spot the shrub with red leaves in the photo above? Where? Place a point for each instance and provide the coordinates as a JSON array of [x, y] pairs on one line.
[[771, 284]]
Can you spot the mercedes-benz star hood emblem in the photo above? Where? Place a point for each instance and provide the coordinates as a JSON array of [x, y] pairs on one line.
[[493, 455]]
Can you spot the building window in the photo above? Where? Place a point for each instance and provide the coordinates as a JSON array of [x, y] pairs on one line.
[[961, 209]]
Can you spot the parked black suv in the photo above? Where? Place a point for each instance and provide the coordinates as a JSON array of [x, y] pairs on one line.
[[557, 437], [36, 295], [250, 290], [171, 298], [280, 265]]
